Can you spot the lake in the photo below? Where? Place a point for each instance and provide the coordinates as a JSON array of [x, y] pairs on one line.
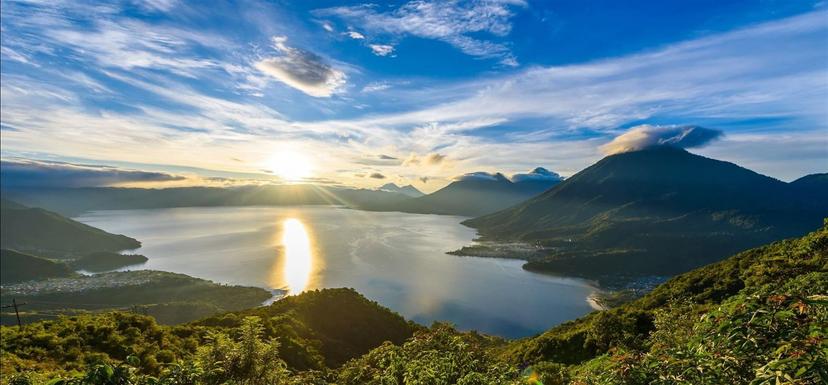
[[396, 259]]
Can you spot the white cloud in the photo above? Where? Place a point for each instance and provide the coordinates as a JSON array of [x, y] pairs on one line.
[[133, 44], [376, 87], [303, 70], [355, 35], [327, 26], [382, 49], [458, 23]]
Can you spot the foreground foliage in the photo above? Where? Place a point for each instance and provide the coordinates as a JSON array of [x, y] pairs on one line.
[[760, 317]]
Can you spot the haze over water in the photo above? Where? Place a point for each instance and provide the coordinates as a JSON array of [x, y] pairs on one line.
[[396, 259]]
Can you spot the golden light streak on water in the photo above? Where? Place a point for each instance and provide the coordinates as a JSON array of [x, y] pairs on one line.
[[298, 256]]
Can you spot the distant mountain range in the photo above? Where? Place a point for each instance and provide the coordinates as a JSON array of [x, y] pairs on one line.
[[470, 195], [478, 193], [407, 190], [661, 210], [46, 233], [73, 201]]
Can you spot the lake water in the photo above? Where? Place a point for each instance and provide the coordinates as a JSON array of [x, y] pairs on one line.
[[396, 259]]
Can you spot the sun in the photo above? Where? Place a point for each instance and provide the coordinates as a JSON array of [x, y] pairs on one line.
[[291, 166]]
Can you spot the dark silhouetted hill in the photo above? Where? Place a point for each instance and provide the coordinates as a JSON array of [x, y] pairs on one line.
[[19, 267], [74, 201], [476, 194], [51, 234]]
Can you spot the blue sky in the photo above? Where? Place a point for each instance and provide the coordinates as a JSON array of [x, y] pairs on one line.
[[416, 92]]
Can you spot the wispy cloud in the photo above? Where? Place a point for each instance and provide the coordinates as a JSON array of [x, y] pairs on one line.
[[376, 87], [734, 75], [171, 94], [458, 23]]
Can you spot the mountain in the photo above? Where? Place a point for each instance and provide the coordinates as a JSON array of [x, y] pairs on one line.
[[73, 201], [407, 190], [479, 193], [657, 211], [470, 195], [19, 267], [50, 234], [812, 187]]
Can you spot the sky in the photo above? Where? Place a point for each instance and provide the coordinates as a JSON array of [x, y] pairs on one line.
[[170, 93]]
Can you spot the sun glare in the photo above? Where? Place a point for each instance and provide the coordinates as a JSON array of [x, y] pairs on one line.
[[298, 258], [290, 165]]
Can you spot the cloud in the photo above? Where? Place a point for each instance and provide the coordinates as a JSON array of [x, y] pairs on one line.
[[375, 87], [412, 159], [435, 158], [327, 26], [377, 175], [37, 173], [646, 136], [481, 175], [381, 49], [738, 81], [459, 23], [355, 35], [303, 70], [537, 174], [378, 160], [732, 76], [157, 5], [429, 159]]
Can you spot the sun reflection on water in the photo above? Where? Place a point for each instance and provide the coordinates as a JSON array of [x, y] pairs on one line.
[[298, 257]]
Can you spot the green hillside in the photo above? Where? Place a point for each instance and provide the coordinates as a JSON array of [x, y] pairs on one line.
[[19, 267], [46, 233], [759, 317], [748, 271], [314, 330], [341, 323]]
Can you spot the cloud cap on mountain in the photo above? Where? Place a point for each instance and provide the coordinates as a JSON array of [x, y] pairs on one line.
[[648, 136]]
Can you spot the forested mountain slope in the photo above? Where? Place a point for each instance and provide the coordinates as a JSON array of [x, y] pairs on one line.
[[658, 211]]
